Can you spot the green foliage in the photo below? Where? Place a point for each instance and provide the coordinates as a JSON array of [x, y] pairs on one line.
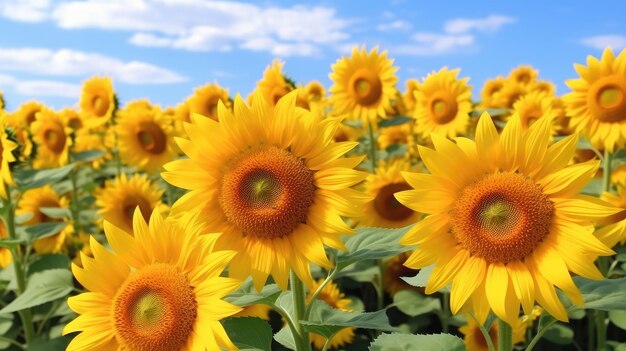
[[41, 230], [247, 295], [285, 338], [43, 286], [605, 295], [414, 304], [87, 156], [493, 112], [394, 121], [559, 333], [51, 261], [618, 318], [249, 333], [371, 244], [409, 342], [30, 179]]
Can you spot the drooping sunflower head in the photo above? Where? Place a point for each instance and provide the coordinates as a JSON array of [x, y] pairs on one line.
[[31, 204], [53, 140], [384, 210], [97, 100], [597, 102], [443, 104], [7, 148], [273, 181], [331, 295], [533, 106], [273, 86], [490, 91], [395, 270], [364, 85], [510, 228], [205, 99], [524, 75], [153, 299], [145, 138], [121, 196], [27, 113]]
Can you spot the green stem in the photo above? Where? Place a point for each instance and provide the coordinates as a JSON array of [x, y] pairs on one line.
[[299, 308], [484, 332], [540, 333], [599, 317], [327, 344], [445, 312], [381, 285], [606, 172], [329, 278], [25, 314], [12, 342], [373, 147], [505, 336], [75, 207]]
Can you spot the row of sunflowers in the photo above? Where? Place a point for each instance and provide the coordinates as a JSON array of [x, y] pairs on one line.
[[364, 217]]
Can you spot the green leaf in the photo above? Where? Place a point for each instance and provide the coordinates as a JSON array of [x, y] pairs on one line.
[[56, 344], [355, 123], [618, 318], [87, 156], [594, 187], [46, 262], [30, 179], [560, 334], [285, 338], [10, 243], [605, 295], [247, 295], [396, 150], [56, 212], [42, 287], [411, 342], [493, 112], [249, 333], [414, 304], [43, 230], [327, 321], [372, 244], [421, 278], [395, 121]]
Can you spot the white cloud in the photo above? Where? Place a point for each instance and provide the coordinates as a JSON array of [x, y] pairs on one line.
[[65, 62], [430, 44], [395, 25], [488, 24], [200, 25], [25, 10], [38, 88], [616, 42]]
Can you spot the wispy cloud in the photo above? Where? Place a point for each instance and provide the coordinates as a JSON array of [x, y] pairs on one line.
[[25, 10], [40, 88], [458, 34], [199, 25], [397, 25], [616, 42], [65, 62]]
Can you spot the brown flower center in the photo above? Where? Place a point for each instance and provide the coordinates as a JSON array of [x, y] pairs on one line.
[[155, 309], [54, 138], [607, 99], [100, 105], [388, 207], [266, 192], [151, 137], [443, 107], [367, 88], [128, 206], [501, 217]]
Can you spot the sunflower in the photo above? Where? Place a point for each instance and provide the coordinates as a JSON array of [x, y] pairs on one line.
[[615, 232], [120, 196], [510, 93], [345, 132], [273, 86], [364, 85], [543, 86], [443, 104], [139, 104], [145, 138], [72, 119], [24, 142], [31, 203], [6, 156], [337, 300], [27, 113], [409, 94], [490, 91], [204, 100], [53, 140], [597, 103], [273, 182], [153, 298], [475, 340], [86, 141], [315, 92], [97, 101], [618, 175], [384, 210], [395, 270], [509, 228], [258, 310], [533, 106], [5, 253], [523, 75], [394, 135]]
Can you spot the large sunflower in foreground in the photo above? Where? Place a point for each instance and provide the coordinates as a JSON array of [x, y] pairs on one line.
[[510, 226], [443, 104], [121, 196], [53, 140], [145, 138], [384, 210], [364, 85], [336, 299], [6, 156], [597, 103], [204, 100], [97, 101], [273, 181], [162, 290]]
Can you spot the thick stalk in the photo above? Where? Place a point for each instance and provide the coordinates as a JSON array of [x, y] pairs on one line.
[[505, 336], [373, 147], [25, 315], [299, 308], [445, 312], [603, 262], [75, 207]]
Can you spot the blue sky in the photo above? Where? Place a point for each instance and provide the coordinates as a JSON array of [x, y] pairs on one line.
[[163, 49]]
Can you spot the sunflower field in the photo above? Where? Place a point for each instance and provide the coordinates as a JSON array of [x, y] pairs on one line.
[[360, 216]]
